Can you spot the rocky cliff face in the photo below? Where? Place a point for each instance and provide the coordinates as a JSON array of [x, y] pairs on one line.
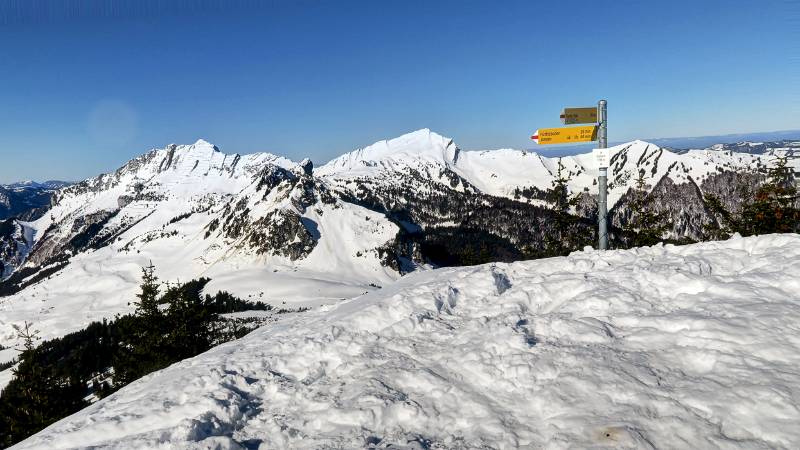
[[15, 243]]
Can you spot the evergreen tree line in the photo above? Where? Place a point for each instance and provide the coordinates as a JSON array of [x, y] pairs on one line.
[[770, 208], [58, 377]]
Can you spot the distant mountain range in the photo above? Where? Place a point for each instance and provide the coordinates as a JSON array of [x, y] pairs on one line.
[[697, 142], [682, 144], [27, 199], [754, 148], [30, 184], [262, 225]]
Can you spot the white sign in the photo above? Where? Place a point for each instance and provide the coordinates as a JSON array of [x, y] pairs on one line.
[[602, 156]]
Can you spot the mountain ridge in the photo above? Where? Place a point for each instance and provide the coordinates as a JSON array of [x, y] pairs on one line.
[[317, 235]]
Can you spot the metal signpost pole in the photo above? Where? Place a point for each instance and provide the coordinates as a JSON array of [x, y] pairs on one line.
[[602, 179]]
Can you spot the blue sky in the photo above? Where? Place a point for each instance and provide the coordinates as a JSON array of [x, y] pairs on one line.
[[85, 86]]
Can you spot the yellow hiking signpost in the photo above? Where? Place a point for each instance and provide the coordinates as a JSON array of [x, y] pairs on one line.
[[565, 135], [571, 116], [586, 133]]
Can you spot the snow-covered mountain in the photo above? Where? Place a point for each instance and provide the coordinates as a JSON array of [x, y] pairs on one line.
[[424, 163], [504, 172], [662, 347], [256, 224], [261, 225]]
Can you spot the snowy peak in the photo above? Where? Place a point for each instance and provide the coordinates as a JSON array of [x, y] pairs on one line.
[[408, 149], [201, 151], [199, 157], [204, 143], [182, 170], [424, 159]]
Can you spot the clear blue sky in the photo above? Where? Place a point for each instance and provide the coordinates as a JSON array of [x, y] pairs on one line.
[[85, 88]]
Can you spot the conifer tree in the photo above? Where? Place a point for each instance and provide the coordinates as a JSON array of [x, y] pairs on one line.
[[566, 235], [53, 377], [646, 226], [27, 335], [723, 222], [773, 208], [145, 331], [147, 305]]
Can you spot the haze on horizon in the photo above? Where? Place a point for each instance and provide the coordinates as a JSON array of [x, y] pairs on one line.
[[88, 86]]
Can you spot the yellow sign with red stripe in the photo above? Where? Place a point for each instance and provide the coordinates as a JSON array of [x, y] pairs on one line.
[[565, 135]]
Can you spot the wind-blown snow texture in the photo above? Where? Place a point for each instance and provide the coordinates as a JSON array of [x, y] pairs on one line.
[[664, 347]]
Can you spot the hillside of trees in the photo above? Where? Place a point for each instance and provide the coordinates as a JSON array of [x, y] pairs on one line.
[[59, 377]]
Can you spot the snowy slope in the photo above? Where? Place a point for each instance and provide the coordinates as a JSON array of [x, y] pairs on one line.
[[664, 347]]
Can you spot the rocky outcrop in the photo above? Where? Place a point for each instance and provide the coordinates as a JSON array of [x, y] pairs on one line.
[[14, 246], [284, 233]]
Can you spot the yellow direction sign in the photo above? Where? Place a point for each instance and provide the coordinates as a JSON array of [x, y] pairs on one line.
[[571, 116], [565, 135]]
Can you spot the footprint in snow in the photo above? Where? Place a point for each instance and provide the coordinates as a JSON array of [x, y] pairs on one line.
[[501, 281], [448, 301]]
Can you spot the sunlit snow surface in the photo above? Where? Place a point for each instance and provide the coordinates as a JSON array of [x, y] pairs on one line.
[[669, 347]]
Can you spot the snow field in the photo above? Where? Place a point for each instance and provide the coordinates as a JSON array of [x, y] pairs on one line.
[[664, 347], [101, 283]]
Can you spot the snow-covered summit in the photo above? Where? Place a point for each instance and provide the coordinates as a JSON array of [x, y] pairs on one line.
[[176, 171], [661, 347], [408, 149], [204, 143]]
